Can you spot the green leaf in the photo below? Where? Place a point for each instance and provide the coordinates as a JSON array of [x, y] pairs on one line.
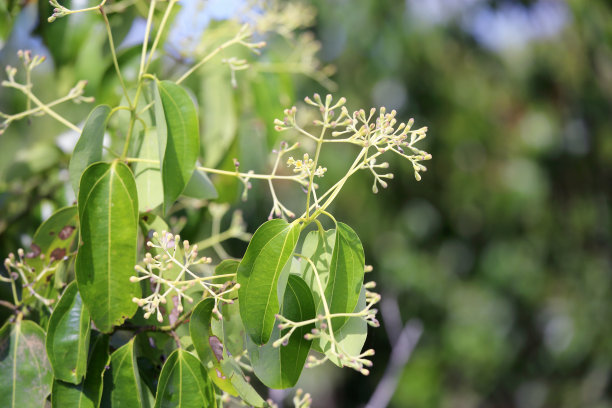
[[88, 393], [68, 337], [88, 149], [280, 367], [258, 274], [122, 384], [53, 240], [351, 337], [25, 372], [218, 116], [230, 329], [318, 248], [183, 382], [345, 274], [147, 175], [227, 266], [108, 211], [181, 147], [208, 347], [200, 187], [213, 340]]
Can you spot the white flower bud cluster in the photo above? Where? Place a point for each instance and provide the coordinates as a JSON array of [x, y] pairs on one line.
[[306, 167], [31, 282], [171, 255]]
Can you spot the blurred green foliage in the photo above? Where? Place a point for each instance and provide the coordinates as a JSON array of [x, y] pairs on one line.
[[503, 251]]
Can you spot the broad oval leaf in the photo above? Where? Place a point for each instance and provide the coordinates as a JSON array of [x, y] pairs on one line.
[[181, 147], [280, 367], [108, 212], [346, 271], [122, 384], [258, 274], [88, 149], [183, 383], [68, 337], [88, 393], [25, 372]]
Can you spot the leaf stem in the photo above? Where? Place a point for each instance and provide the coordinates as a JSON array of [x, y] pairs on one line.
[[158, 35], [114, 54], [145, 41]]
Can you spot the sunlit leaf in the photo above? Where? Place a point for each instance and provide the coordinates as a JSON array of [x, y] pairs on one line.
[[179, 144], [148, 175], [25, 372], [346, 271], [108, 212], [258, 275], [68, 333]]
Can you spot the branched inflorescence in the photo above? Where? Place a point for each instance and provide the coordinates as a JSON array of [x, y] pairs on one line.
[[18, 268], [76, 94], [161, 270], [375, 134]]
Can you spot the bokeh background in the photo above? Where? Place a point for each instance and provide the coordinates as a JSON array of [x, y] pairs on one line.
[[498, 263]]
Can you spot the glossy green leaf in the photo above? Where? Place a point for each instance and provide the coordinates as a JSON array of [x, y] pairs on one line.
[[147, 175], [68, 333], [88, 393], [351, 337], [108, 211], [183, 383], [258, 274], [88, 149], [280, 367], [200, 187], [346, 271], [181, 147], [25, 372], [122, 384]]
